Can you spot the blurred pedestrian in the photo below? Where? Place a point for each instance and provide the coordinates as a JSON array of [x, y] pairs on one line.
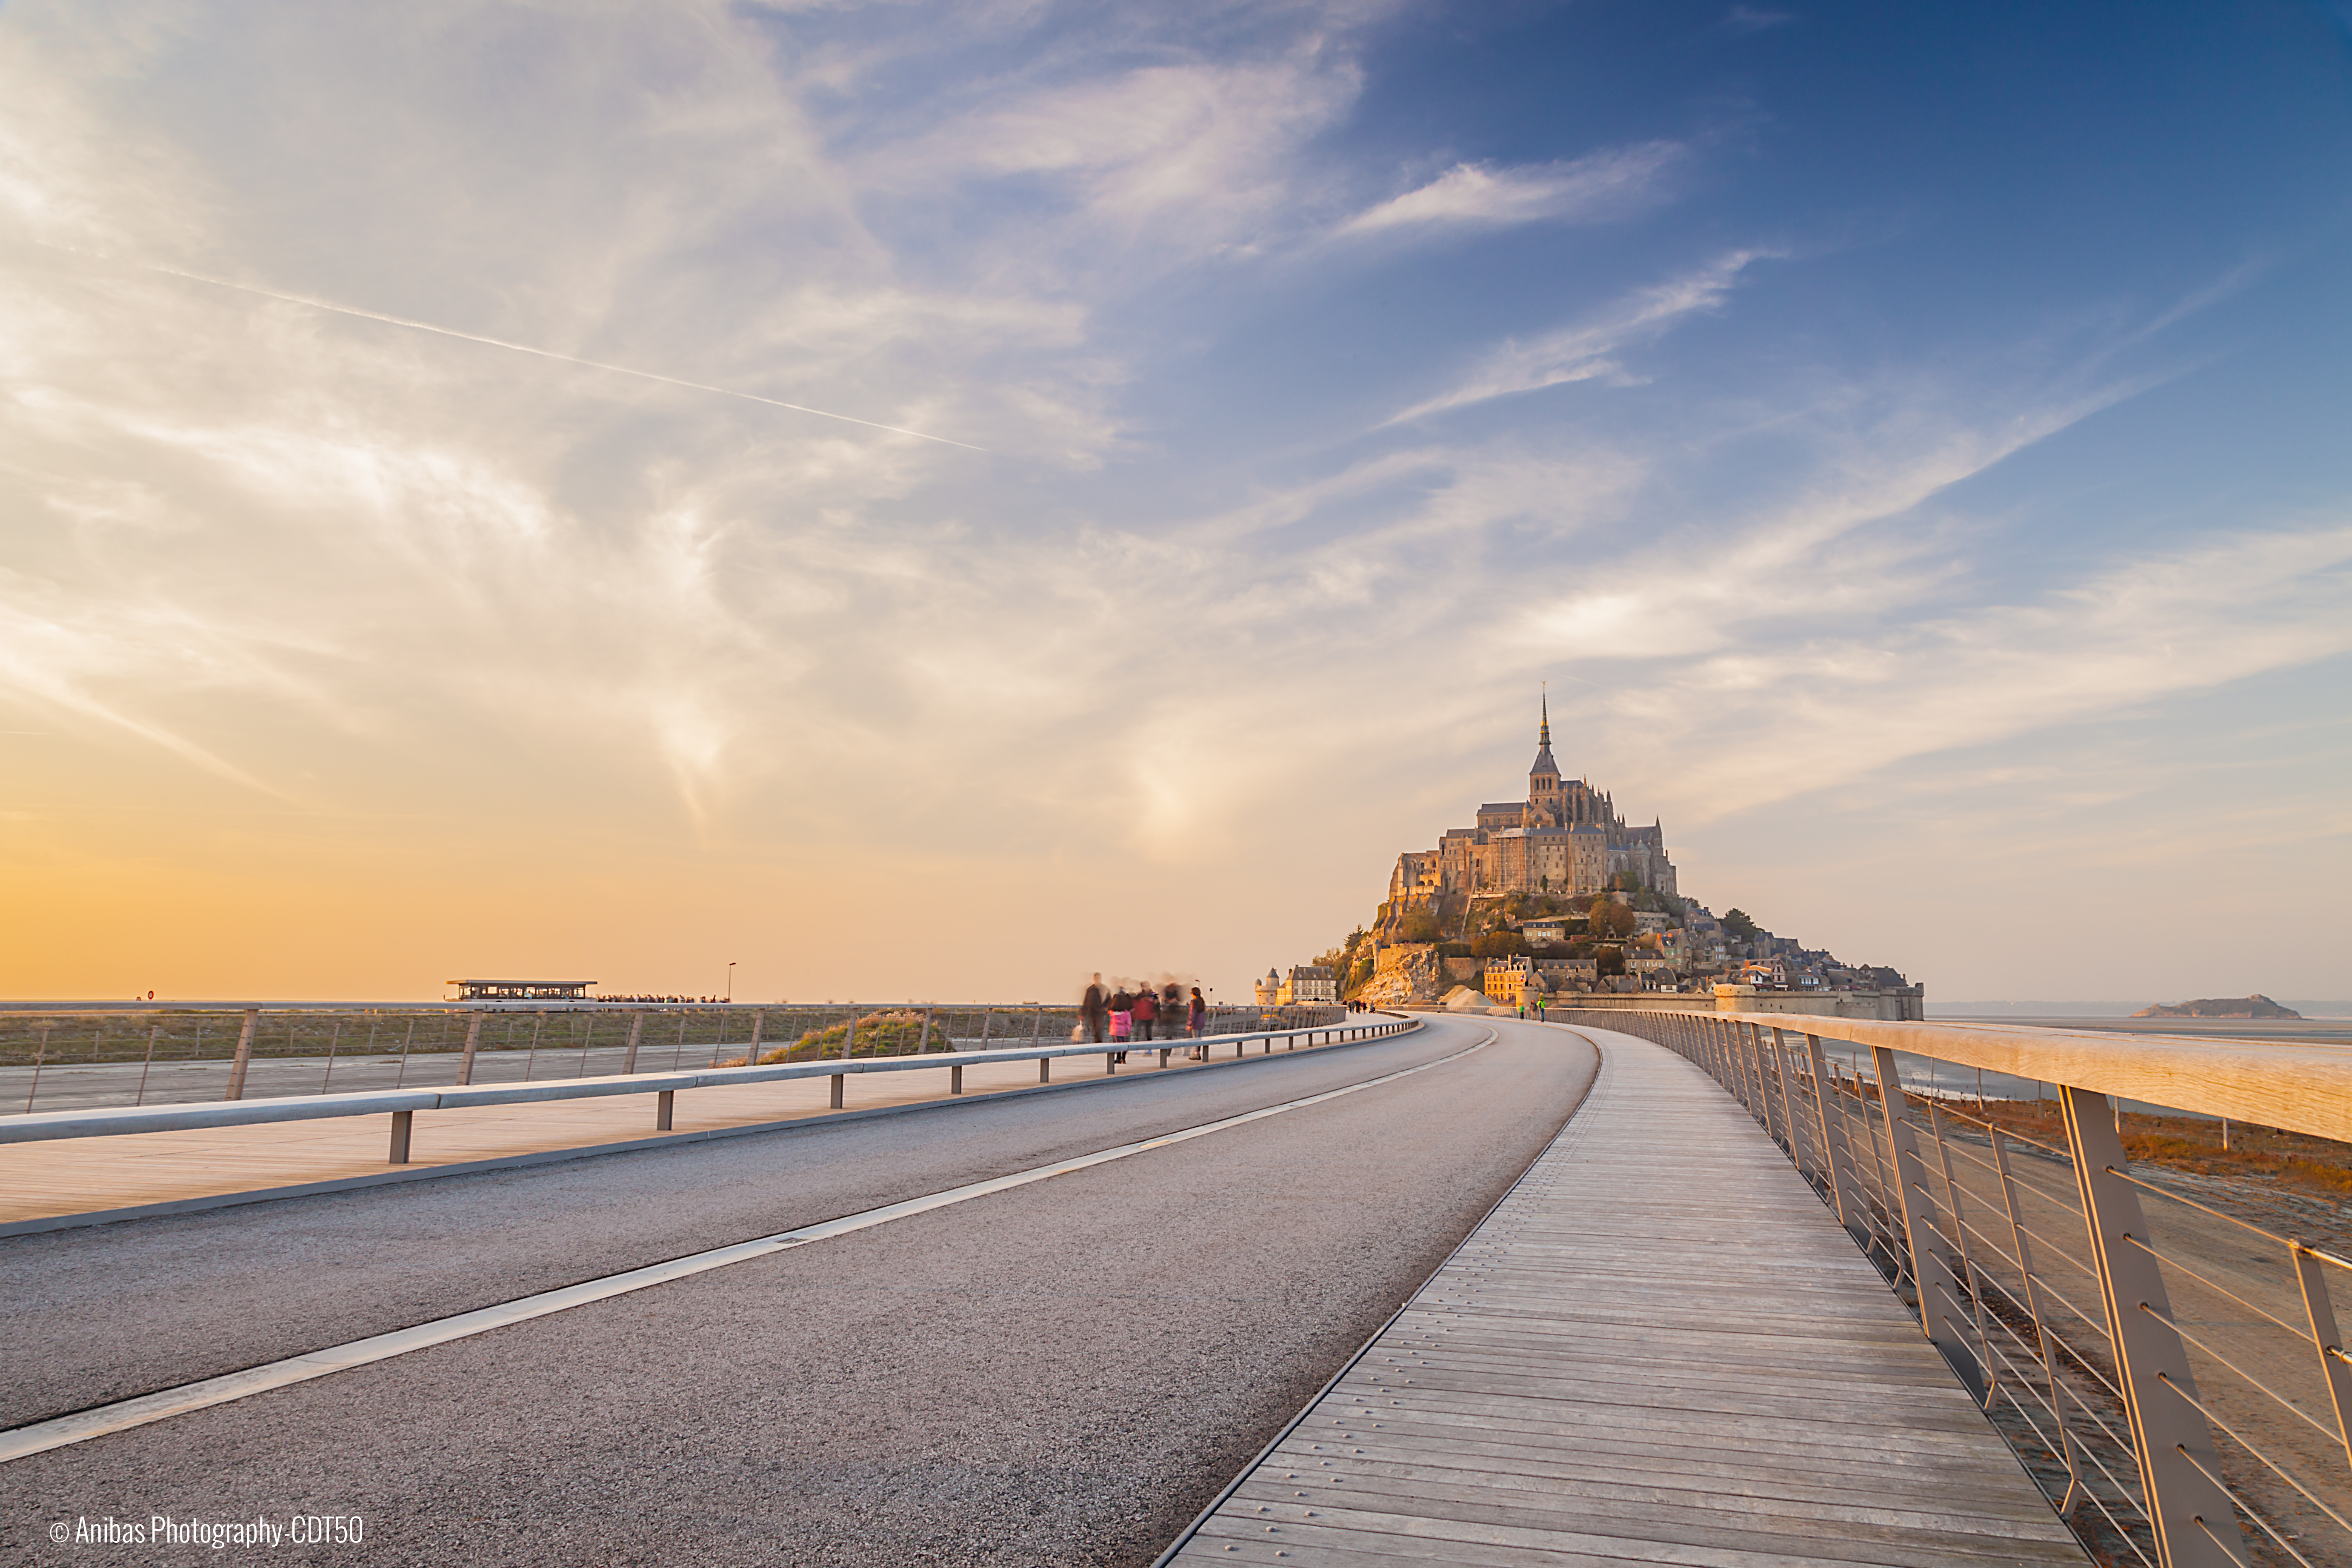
[[1196, 1019], [1092, 1005], [1122, 1020], [1146, 1007]]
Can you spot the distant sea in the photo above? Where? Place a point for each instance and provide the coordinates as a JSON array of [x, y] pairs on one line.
[[2039, 1012], [2323, 1022]]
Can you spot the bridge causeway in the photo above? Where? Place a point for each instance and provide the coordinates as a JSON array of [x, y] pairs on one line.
[[1661, 1347]]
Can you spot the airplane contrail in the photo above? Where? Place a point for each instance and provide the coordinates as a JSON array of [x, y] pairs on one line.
[[529, 349]]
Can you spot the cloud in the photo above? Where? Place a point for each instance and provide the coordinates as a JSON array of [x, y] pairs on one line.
[[1741, 20], [1195, 156], [1583, 353], [1586, 190], [388, 574]]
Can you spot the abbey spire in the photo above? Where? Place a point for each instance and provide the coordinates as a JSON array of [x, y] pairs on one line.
[[1543, 779]]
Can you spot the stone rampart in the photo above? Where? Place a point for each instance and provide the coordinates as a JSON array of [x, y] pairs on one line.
[[1896, 1004]]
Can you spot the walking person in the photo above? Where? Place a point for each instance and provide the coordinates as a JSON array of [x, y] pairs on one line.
[[1196, 1019], [1146, 1007], [1091, 1005], [1122, 1020]]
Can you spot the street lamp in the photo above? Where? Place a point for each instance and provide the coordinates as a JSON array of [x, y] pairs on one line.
[[730, 980]]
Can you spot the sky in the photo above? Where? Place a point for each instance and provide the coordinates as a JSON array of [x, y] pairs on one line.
[[932, 500]]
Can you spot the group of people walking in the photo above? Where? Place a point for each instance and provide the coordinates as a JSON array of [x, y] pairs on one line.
[[1135, 1017]]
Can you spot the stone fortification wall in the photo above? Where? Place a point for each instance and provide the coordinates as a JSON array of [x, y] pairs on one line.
[[1899, 1004]]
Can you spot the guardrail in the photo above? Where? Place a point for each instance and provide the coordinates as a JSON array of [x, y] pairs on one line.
[[401, 1105], [2172, 1373], [63, 1057]]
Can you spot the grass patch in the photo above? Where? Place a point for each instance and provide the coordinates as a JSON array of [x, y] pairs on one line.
[[879, 1035], [2319, 1167]]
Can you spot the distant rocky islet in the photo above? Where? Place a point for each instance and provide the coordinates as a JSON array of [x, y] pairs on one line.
[[2254, 1006]]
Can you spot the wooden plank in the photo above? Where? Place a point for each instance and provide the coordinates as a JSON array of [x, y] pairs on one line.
[[1472, 1464], [1659, 1348]]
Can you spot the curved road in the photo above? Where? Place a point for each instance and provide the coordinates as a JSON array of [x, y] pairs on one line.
[[1059, 1373]]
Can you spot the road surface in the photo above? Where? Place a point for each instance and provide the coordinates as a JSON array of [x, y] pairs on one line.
[[1059, 1373]]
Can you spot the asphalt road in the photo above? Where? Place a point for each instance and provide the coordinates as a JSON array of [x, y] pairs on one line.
[[1061, 1373]]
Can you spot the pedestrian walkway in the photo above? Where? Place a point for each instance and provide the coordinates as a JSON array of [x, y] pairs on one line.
[[152, 1172], [1659, 1348]]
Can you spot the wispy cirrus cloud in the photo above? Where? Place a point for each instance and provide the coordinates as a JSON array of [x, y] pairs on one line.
[[1744, 19], [1583, 190], [1585, 352]]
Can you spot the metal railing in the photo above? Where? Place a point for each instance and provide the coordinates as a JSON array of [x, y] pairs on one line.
[[2172, 1373], [89, 1058], [837, 1065]]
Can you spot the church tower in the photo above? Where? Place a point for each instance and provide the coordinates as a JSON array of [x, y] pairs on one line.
[[1544, 798]]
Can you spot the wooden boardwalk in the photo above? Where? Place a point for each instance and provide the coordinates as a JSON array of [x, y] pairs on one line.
[[1661, 1348]]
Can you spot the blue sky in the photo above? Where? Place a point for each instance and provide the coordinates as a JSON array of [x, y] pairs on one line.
[[1910, 442]]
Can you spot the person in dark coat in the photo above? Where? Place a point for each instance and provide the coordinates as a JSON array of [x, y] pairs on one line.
[[1093, 1005]]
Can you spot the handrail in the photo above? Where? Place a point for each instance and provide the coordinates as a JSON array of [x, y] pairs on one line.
[[1882, 1157], [109, 1122], [2296, 1087]]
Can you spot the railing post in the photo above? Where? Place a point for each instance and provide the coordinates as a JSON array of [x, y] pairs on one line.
[[1845, 1197], [1931, 1272], [838, 1080], [1960, 1240], [666, 1105], [1744, 1056], [2041, 1335], [244, 1055], [637, 1033], [848, 1045], [1788, 1108], [2321, 1313], [401, 1123], [2177, 1458], [955, 1079], [929, 1014], [1754, 1034], [987, 1017], [1045, 1069], [473, 1039]]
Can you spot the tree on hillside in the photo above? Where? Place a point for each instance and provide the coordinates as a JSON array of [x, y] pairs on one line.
[[1609, 919], [1419, 925], [1609, 961], [1740, 924], [1499, 944]]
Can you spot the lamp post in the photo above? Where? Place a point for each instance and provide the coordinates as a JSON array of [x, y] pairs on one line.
[[730, 980]]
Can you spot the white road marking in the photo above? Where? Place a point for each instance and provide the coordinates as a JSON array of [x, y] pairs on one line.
[[19, 1442]]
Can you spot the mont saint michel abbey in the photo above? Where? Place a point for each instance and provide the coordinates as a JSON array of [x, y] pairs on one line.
[[1566, 838]]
